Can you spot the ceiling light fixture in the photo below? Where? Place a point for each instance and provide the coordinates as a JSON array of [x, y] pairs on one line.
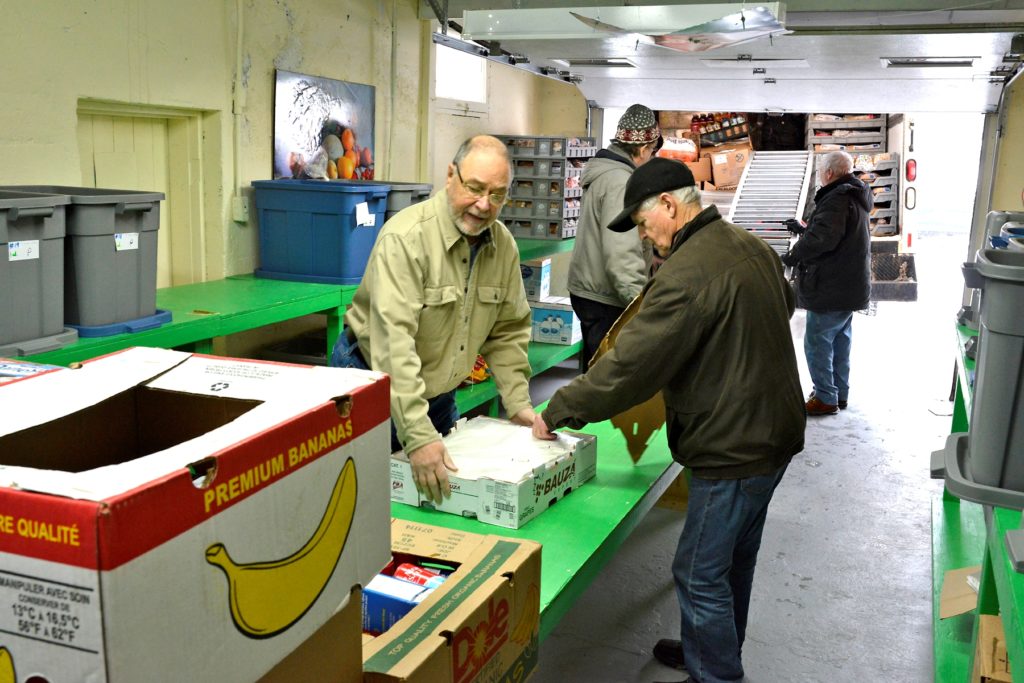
[[609, 62], [745, 62], [927, 62]]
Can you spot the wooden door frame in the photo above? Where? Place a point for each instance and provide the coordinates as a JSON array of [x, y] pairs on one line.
[[185, 179]]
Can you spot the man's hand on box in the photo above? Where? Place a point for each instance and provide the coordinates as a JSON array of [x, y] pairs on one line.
[[524, 417], [430, 465], [540, 429]]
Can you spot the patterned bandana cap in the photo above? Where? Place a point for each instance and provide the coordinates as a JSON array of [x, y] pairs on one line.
[[637, 125]]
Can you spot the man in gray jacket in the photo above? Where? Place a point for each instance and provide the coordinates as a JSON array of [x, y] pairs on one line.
[[609, 269], [712, 334]]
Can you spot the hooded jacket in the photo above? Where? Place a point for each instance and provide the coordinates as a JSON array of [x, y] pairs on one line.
[[712, 333], [833, 256], [607, 267]]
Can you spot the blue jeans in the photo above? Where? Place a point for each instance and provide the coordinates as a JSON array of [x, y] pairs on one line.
[[827, 342], [442, 409], [714, 570]]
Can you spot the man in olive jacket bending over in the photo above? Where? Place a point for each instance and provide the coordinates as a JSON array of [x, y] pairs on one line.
[[712, 333]]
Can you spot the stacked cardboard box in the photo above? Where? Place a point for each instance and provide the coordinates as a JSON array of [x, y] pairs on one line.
[[554, 321]]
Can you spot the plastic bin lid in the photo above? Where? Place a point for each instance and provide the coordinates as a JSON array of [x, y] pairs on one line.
[[10, 199], [322, 185], [1001, 264], [90, 195]]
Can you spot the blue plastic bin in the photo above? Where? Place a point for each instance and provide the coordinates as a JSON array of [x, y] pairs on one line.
[[308, 229]]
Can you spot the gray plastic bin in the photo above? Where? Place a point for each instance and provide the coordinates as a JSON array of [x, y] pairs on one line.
[[403, 195], [989, 468], [31, 269], [110, 253]]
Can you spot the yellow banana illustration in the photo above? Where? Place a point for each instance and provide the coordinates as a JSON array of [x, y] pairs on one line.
[[529, 618], [7, 674], [266, 598]]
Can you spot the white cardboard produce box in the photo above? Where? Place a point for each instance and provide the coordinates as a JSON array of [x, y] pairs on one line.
[[554, 321], [506, 477], [166, 516], [536, 278]]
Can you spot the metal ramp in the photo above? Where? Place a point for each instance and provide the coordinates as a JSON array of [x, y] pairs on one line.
[[772, 189]]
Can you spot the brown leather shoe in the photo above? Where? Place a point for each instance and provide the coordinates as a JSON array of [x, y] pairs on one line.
[[816, 407]]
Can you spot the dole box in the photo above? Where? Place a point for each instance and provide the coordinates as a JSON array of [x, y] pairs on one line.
[[174, 517], [480, 626]]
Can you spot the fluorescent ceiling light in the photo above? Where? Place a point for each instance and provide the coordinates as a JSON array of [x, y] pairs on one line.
[[739, 63], [612, 62], [927, 62]]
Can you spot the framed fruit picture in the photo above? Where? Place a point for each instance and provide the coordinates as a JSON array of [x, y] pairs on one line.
[[323, 128]]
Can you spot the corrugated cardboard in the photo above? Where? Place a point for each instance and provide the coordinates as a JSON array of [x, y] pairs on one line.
[[178, 517], [333, 654], [701, 169], [957, 596], [506, 477], [554, 321], [536, 278], [991, 663], [727, 164], [480, 626]]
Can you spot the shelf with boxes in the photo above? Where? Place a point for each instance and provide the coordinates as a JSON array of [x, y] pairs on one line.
[[850, 132], [544, 202], [881, 172]]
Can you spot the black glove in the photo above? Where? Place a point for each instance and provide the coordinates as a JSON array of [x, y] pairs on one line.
[[794, 226]]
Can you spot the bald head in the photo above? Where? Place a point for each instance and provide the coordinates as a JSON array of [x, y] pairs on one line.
[[485, 144]]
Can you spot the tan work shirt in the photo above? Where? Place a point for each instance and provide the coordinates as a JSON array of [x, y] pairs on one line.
[[422, 314]]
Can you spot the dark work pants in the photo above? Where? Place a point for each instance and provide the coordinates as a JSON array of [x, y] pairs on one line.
[[596, 319]]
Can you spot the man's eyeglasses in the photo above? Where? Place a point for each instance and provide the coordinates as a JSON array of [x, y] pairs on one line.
[[475, 191]]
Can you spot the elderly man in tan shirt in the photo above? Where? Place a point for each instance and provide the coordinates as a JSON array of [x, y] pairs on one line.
[[443, 284]]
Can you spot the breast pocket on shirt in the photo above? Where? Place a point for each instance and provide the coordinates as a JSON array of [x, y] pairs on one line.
[[491, 298], [437, 317]]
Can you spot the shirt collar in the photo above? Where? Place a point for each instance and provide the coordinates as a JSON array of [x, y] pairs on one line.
[[707, 215]]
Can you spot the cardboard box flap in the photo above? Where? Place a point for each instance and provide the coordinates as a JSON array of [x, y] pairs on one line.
[[52, 395], [227, 400]]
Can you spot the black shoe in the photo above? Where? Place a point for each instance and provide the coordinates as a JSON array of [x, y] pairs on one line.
[[670, 653], [842, 405]]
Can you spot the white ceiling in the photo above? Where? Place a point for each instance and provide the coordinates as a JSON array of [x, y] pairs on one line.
[[843, 50]]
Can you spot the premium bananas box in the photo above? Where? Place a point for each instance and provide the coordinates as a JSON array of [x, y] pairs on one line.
[[506, 477], [480, 626], [166, 516]]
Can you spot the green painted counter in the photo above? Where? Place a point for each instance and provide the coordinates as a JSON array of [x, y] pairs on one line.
[[204, 310], [531, 249], [582, 531], [966, 534], [542, 357]]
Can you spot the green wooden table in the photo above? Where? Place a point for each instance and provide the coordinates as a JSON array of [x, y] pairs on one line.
[[582, 531], [542, 357], [204, 310], [966, 534]]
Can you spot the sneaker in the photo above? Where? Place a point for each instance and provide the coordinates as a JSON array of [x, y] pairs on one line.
[[670, 653], [815, 407]]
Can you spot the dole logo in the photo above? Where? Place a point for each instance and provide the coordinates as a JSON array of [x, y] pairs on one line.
[[473, 647], [555, 481]]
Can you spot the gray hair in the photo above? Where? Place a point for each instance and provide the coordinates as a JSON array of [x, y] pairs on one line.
[[684, 195], [479, 142], [839, 162]]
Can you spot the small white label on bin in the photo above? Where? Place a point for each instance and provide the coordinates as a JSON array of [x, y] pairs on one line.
[[123, 241], [363, 215], [24, 250]]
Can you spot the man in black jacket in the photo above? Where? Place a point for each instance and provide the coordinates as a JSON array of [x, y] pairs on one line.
[[712, 334], [833, 263]]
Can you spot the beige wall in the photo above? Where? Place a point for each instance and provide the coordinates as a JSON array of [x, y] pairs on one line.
[[518, 103], [151, 57], [1008, 179]]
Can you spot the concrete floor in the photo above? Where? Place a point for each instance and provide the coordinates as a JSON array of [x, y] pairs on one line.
[[843, 585]]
